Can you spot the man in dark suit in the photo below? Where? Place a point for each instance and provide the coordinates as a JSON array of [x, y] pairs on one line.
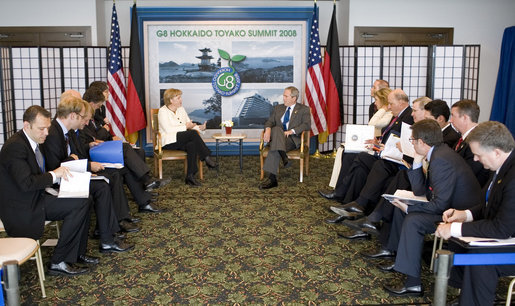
[[283, 131], [464, 117], [24, 204], [70, 113], [352, 181], [492, 144], [136, 172], [439, 111], [448, 182]]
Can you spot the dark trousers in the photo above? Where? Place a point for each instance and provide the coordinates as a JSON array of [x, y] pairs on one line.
[[351, 184], [73, 237], [191, 142], [135, 185], [411, 240], [278, 142], [120, 202], [134, 162], [377, 180], [100, 192]]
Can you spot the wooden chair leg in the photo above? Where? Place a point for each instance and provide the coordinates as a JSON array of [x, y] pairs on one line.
[[200, 171], [301, 170], [307, 164], [261, 169], [160, 165], [156, 168], [185, 167], [41, 270]]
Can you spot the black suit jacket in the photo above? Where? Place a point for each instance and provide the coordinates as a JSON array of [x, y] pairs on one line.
[[497, 219], [21, 187], [300, 120], [482, 174], [449, 183], [450, 136], [405, 116], [55, 146]]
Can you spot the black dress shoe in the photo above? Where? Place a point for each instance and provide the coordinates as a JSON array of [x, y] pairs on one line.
[[353, 207], [89, 260], [371, 227], [132, 219], [268, 184], [210, 163], [119, 235], [128, 227], [347, 214], [63, 268], [386, 268], [156, 184], [117, 246], [336, 220], [355, 235], [149, 208], [329, 195], [381, 254], [354, 224], [192, 181], [404, 291]]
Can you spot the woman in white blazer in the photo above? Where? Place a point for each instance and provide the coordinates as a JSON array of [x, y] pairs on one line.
[[383, 116], [178, 132]]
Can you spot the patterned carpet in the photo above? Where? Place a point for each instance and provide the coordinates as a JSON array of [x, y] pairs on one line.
[[230, 243]]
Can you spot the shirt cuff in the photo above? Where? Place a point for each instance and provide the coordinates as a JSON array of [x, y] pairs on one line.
[[293, 132], [54, 177], [470, 218], [456, 229]]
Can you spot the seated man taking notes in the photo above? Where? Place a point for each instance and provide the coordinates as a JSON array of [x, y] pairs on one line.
[[492, 145]]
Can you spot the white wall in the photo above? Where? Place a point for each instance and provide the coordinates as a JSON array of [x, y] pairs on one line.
[[325, 11], [50, 13], [474, 22]]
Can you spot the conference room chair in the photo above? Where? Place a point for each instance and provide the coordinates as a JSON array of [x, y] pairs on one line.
[[301, 154], [161, 154], [21, 250]]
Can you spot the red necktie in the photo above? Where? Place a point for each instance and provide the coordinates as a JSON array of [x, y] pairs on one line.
[[389, 127], [458, 144]]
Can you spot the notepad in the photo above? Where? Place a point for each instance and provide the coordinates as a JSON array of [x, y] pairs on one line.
[[355, 136], [477, 241], [77, 186], [405, 196]]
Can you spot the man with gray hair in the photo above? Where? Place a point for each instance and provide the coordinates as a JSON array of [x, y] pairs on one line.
[[494, 217]]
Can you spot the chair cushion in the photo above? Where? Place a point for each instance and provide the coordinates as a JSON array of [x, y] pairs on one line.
[[19, 249]]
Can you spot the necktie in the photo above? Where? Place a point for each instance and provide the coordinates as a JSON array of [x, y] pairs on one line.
[[286, 119], [388, 128], [458, 144], [490, 187], [40, 159], [67, 138]]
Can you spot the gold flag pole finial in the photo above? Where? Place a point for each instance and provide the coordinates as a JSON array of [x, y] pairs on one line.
[[333, 155], [316, 154]]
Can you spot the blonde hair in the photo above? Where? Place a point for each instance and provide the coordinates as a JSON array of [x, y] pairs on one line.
[[381, 95], [170, 94], [70, 105]]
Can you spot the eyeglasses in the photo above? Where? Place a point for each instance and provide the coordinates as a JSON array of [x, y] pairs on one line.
[[81, 116], [413, 139]]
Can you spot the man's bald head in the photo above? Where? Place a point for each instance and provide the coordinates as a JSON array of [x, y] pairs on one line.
[[69, 94]]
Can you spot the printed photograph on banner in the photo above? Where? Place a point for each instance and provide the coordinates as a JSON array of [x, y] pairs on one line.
[[188, 61], [201, 106], [251, 107], [265, 62]]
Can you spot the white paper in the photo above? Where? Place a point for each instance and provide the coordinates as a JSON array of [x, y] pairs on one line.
[[406, 197], [355, 136], [99, 178], [76, 186], [476, 241], [79, 165], [114, 165], [406, 145], [390, 151]]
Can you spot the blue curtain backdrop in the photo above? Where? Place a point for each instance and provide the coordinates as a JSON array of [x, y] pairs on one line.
[[503, 106]]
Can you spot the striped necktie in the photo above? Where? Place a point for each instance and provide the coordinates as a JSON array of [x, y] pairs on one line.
[[40, 159]]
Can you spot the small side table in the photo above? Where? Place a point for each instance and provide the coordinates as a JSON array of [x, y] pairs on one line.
[[231, 137]]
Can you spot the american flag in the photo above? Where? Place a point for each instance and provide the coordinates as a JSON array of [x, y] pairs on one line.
[[315, 89], [117, 104]]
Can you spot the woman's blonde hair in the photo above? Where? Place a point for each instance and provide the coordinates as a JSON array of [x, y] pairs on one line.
[[381, 95], [170, 94]]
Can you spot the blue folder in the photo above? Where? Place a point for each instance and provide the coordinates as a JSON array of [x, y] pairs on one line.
[[108, 152]]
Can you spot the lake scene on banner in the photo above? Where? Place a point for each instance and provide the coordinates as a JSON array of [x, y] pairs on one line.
[[188, 61], [265, 62]]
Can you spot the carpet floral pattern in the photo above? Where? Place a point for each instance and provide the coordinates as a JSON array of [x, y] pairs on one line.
[[228, 242]]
